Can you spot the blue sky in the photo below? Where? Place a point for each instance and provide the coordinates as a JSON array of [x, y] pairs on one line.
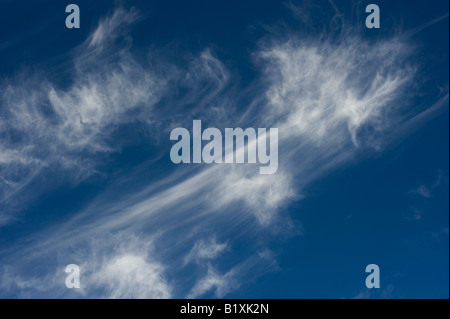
[[86, 177]]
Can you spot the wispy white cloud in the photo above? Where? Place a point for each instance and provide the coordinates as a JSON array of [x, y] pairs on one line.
[[131, 276], [113, 26], [46, 127], [416, 214], [427, 190], [363, 294], [123, 266], [423, 191], [220, 284], [426, 25], [385, 293], [204, 250]]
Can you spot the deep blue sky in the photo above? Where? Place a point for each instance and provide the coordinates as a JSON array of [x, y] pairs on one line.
[[346, 203]]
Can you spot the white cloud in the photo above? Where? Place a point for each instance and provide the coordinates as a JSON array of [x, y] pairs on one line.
[[46, 128], [120, 265], [363, 294], [328, 92], [423, 191], [427, 190], [131, 276], [113, 26], [417, 215], [220, 284], [262, 194], [204, 250]]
